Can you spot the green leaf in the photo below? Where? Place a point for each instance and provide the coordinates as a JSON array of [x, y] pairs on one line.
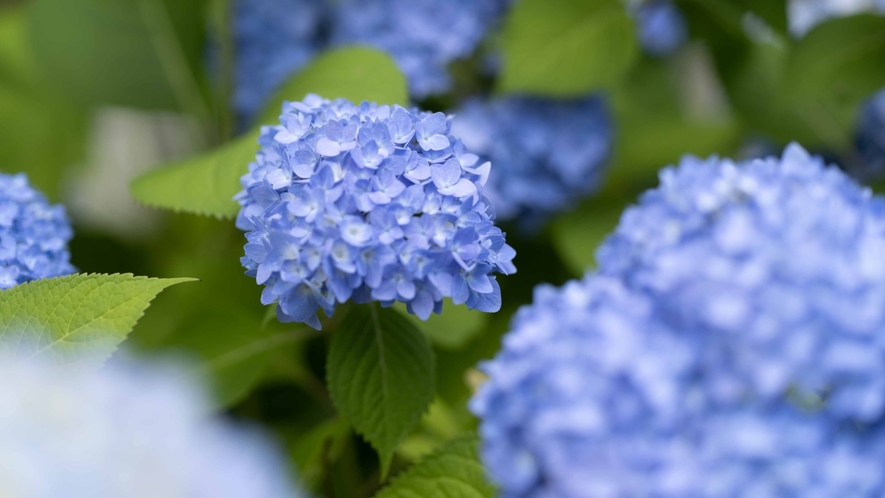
[[452, 472], [140, 53], [380, 376], [352, 73], [78, 317], [566, 47], [843, 59], [203, 185], [206, 184]]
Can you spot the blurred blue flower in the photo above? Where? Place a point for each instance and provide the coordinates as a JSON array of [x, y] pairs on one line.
[[370, 203], [729, 347], [548, 154], [125, 430], [423, 36], [780, 259], [870, 139], [34, 235], [661, 27], [273, 40]]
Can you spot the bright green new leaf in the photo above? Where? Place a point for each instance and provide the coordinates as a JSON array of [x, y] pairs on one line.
[[206, 184], [380, 376], [141, 53], [452, 472], [77, 317], [566, 47], [842, 60]]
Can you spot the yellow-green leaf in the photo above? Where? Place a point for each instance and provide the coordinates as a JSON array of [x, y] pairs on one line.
[[77, 317]]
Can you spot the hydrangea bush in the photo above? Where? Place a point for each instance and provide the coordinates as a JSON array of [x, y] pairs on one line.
[[547, 154], [729, 346], [34, 235], [369, 203], [125, 430]]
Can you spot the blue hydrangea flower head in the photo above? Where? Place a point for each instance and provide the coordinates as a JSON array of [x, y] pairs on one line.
[[128, 429], [596, 394], [757, 251], [273, 40], [728, 347], [34, 235], [423, 36], [661, 27], [371, 203], [547, 153], [870, 138]]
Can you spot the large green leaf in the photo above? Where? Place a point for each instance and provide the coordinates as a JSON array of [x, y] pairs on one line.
[[380, 376], [142, 53], [842, 60], [452, 472], [75, 318], [566, 47], [206, 184]]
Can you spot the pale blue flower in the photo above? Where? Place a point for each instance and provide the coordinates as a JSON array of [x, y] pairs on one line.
[[370, 203], [548, 154], [125, 430], [34, 235]]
